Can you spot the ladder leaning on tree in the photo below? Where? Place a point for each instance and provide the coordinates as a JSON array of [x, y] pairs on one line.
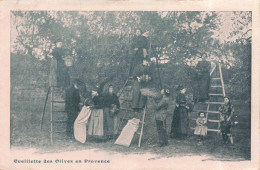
[[53, 104], [53, 89], [211, 110]]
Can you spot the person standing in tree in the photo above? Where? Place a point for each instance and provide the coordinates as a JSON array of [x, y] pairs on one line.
[[63, 79], [180, 121], [139, 47], [142, 78], [201, 81], [72, 100]]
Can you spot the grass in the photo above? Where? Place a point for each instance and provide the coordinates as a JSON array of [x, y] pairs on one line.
[[26, 133]]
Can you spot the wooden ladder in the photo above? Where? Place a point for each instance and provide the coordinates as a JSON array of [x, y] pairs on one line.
[[216, 84], [53, 104], [125, 103]]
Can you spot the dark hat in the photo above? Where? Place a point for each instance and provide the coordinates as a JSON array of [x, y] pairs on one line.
[[180, 87], [201, 112], [139, 30]]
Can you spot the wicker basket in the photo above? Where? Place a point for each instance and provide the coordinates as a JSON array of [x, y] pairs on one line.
[[68, 61]]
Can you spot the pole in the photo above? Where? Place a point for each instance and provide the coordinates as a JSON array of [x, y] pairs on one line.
[[142, 128], [43, 112], [157, 65]]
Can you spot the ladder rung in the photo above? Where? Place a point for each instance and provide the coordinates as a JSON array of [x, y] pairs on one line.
[[60, 131], [126, 100], [60, 101], [216, 86], [216, 78], [58, 111], [59, 121], [215, 121], [56, 87], [209, 111], [214, 102], [126, 109], [214, 94], [211, 130]]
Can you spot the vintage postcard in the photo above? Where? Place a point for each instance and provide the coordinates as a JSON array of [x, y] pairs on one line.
[[129, 84]]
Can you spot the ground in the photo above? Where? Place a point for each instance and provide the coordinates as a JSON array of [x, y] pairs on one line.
[[26, 111]]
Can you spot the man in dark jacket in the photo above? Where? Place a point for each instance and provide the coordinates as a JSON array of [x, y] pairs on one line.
[[160, 117], [63, 78], [72, 100]]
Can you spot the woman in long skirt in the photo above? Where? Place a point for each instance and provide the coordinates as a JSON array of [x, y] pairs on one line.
[[180, 121]]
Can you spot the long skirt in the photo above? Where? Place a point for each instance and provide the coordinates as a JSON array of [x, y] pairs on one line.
[[96, 124], [200, 87], [138, 100], [53, 73], [63, 78], [180, 123], [108, 122]]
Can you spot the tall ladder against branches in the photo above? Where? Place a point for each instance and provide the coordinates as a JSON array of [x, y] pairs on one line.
[[57, 105], [216, 98]]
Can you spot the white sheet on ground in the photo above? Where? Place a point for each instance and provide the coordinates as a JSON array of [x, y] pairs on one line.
[[128, 132]]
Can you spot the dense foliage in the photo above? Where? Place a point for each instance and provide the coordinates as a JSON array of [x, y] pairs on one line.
[[100, 42]]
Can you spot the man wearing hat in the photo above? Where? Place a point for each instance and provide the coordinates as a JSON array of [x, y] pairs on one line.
[[160, 117]]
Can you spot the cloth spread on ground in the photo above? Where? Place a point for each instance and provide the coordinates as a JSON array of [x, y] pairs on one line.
[[80, 124], [127, 134]]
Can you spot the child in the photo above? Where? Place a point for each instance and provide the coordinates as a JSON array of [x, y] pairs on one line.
[[226, 113], [201, 128]]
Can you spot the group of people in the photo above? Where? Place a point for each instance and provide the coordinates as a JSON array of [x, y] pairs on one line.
[[103, 105]]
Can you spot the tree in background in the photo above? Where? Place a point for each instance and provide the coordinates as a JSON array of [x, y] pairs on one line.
[[99, 43]]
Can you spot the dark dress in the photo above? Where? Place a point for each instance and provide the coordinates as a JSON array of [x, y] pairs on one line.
[[63, 79], [110, 102], [201, 81], [180, 121], [141, 43], [138, 100], [72, 100]]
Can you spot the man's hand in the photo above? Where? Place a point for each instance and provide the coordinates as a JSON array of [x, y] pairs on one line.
[[139, 79], [177, 105]]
